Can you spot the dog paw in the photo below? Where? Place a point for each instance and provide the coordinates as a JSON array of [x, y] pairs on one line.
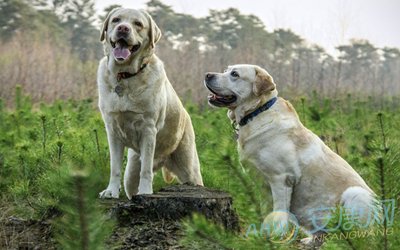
[[279, 226], [307, 241], [109, 194], [277, 218], [314, 241], [146, 191], [145, 187]]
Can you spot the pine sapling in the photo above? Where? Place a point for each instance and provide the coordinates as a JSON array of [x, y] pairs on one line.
[[83, 224], [83, 220]]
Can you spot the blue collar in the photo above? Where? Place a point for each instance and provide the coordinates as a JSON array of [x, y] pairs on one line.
[[258, 111]]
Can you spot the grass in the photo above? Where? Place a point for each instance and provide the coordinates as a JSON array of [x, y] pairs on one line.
[[41, 145]]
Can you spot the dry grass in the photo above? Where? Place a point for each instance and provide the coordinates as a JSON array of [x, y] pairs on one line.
[[45, 70], [48, 71]]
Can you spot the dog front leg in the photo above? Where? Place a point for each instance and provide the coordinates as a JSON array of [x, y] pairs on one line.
[[116, 156], [281, 188], [147, 148]]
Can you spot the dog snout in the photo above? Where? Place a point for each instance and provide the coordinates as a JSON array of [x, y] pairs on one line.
[[123, 29], [209, 76]]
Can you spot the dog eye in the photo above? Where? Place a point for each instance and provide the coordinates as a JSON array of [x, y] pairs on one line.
[[116, 20], [234, 74], [139, 24]]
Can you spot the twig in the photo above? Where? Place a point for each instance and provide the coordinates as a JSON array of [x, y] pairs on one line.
[[381, 167], [43, 118], [386, 149]]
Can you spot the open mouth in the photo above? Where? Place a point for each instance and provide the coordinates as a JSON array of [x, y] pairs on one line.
[[220, 100], [122, 50]]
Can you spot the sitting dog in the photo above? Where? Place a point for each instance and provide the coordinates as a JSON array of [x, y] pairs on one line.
[[304, 174], [140, 108]]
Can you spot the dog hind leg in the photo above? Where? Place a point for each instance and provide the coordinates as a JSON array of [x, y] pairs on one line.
[[184, 161], [362, 204]]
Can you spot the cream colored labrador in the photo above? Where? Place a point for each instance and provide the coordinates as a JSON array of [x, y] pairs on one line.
[[304, 174], [140, 108]]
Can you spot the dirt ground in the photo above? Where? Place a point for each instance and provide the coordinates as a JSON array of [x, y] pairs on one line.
[[16, 233]]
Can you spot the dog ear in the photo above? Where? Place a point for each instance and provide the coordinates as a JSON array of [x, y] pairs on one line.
[[105, 24], [264, 82], [154, 31]]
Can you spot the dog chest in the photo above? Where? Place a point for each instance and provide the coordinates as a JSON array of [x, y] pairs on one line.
[[127, 126], [110, 101]]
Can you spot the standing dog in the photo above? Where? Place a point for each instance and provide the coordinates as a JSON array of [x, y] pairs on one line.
[[304, 174], [140, 108]]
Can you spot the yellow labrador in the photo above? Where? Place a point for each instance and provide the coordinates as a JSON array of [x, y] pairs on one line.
[[304, 174], [140, 108]]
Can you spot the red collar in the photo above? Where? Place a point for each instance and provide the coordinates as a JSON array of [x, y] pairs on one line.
[[126, 75]]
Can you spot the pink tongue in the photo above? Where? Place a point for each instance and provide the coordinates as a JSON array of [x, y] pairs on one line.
[[121, 53]]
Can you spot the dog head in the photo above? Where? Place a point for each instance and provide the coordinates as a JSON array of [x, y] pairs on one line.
[[240, 85], [126, 33]]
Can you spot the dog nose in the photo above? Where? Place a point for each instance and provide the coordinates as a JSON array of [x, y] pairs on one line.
[[209, 76], [123, 29]]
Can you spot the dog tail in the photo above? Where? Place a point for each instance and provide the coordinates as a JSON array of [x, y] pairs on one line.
[[167, 175], [362, 204]]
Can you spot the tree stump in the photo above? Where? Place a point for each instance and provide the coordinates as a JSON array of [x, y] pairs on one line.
[[153, 221]]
